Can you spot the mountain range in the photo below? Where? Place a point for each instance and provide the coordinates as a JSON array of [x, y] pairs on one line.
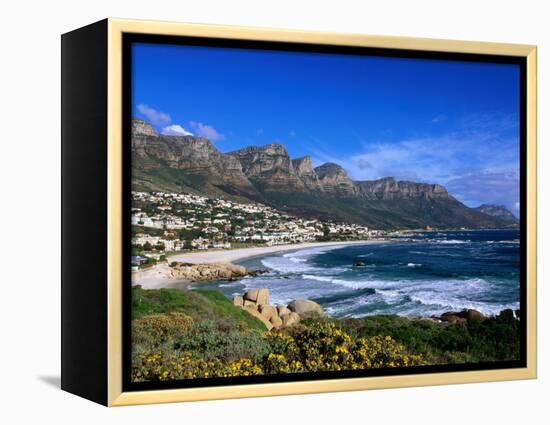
[[267, 174], [498, 211]]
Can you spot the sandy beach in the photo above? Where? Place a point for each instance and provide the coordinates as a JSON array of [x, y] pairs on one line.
[[160, 275], [232, 255]]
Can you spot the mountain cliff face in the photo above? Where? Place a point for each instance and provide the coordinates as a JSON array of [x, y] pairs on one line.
[[498, 211], [267, 174], [334, 180], [388, 189], [304, 169], [142, 128], [269, 168], [185, 161]]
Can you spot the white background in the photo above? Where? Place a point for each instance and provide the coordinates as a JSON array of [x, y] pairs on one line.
[[30, 200]]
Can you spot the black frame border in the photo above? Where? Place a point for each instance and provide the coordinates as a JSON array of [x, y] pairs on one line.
[[129, 38]]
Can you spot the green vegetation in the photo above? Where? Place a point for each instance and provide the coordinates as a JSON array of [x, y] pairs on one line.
[[494, 339], [198, 334], [198, 304], [157, 330], [147, 230]]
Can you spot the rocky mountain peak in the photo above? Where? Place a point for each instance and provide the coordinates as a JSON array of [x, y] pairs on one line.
[[335, 180], [275, 149], [388, 188], [303, 165], [304, 169], [329, 168], [267, 174], [142, 128], [271, 149], [269, 167], [498, 211]]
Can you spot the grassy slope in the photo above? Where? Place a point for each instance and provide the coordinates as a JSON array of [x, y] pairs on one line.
[[151, 175], [494, 339], [199, 304], [383, 214]]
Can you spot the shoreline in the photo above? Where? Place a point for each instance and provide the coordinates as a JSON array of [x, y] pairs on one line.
[[240, 254], [160, 276]]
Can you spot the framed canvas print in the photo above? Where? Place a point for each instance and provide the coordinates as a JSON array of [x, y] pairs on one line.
[[251, 212]]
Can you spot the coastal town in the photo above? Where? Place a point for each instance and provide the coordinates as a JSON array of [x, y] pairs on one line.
[[165, 223]]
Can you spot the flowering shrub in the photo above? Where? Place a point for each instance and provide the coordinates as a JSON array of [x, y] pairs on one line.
[[163, 367], [322, 346], [326, 347], [150, 332]]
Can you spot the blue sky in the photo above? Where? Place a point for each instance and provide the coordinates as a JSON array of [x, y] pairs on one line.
[[447, 122]]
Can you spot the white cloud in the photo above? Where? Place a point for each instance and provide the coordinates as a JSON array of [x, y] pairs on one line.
[[175, 130], [207, 131], [477, 163], [157, 118], [487, 187]]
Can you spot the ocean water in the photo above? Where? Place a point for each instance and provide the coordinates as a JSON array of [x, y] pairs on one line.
[[421, 275]]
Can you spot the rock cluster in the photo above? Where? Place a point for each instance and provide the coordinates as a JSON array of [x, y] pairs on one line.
[[206, 272], [471, 315], [462, 316], [256, 303]]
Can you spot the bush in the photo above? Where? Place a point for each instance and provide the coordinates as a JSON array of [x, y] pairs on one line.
[[494, 339], [199, 334], [151, 332], [209, 351], [323, 346], [226, 343], [162, 367]]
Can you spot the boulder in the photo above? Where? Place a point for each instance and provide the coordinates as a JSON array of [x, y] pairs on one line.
[[290, 319], [276, 321], [467, 314], [268, 311], [282, 310], [254, 312], [474, 315], [257, 272], [238, 300], [306, 308], [248, 303], [452, 318], [259, 296], [225, 273], [236, 270]]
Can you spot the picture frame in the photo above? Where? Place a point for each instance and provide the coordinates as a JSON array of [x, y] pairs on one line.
[[97, 112]]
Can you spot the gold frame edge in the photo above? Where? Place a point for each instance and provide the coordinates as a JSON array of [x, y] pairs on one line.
[[116, 27]]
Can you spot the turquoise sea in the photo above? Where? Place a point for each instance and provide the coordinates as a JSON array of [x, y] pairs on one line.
[[424, 274]]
